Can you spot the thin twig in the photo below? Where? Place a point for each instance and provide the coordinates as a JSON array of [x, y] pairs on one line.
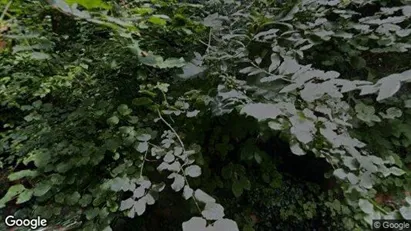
[[182, 146], [142, 165], [172, 129], [377, 206], [209, 41], [5, 10], [156, 146]]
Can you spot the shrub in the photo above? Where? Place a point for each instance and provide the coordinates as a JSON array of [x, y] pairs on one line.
[[110, 107]]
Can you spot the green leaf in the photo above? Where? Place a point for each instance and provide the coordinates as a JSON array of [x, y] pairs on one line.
[[40, 157], [91, 213], [124, 110], [237, 188], [245, 183], [358, 62], [366, 113], [90, 4], [144, 137], [212, 20], [275, 125], [396, 171], [41, 188], [142, 101], [157, 21], [11, 193], [24, 196], [150, 59], [113, 120], [258, 158], [393, 113], [191, 70], [85, 200], [22, 174], [40, 56], [172, 62], [73, 198], [61, 4], [192, 113], [59, 198], [63, 167], [227, 172]]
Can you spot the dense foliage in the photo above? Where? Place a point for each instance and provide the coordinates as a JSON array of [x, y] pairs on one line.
[[224, 115]]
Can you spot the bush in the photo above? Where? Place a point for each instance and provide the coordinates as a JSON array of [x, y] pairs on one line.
[[290, 114]]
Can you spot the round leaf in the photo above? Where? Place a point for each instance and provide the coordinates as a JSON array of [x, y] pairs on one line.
[[193, 171]]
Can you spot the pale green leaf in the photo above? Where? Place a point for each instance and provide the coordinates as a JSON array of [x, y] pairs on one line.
[[187, 192], [142, 147], [194, 224], [396, 171], [261, 111], [275, 62], [193, 171], [42, 188], [11, 193], [225, 225], [113, 120], [366, 206], [178, 183], [203, 197], [213, 211], [388, 88], [297, 150], [22, 174], [24, 196], [340, 173], [406, 212]]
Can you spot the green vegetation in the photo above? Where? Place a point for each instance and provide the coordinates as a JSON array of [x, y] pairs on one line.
[[205, 115]]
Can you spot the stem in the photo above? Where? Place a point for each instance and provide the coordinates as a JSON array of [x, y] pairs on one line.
[[142, 165], [209, 41], [153, 145], [172, 129], [5, 10], [182, 146], [378, 207]]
